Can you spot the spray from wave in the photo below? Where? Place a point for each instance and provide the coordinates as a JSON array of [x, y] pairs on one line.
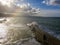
[[16, 34]]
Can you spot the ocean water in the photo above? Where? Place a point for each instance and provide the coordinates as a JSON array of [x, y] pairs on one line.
[[52, 23], [14, 31]]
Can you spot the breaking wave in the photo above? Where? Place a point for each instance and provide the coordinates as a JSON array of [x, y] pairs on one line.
[[16, 34]]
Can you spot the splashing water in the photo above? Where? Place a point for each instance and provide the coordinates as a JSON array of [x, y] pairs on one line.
[[16, 34]]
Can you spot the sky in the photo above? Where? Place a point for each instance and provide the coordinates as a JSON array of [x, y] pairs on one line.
[[44, 8]]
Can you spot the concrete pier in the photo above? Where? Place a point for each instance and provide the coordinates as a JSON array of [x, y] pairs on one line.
[[43, 35]]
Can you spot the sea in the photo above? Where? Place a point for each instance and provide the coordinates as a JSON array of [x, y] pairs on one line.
[[14, 30]]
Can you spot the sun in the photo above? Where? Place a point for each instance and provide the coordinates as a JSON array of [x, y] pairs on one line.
[[6, 2]]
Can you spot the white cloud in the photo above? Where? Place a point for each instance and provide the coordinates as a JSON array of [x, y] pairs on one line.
[[27, 9], [6, 2], [23, 8], [8, 5], [51, 2]]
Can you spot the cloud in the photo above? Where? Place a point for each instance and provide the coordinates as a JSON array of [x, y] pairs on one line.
[[49, 13], [14, 7], [6, 2], [8, 5], [19, 9], [26, 9], [51, 2]]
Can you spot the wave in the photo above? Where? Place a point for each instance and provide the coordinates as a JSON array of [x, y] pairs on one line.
[[16, 34], [44, 29]]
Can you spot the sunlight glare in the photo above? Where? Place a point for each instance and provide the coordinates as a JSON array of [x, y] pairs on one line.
[[6, 2], [2, 30]]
